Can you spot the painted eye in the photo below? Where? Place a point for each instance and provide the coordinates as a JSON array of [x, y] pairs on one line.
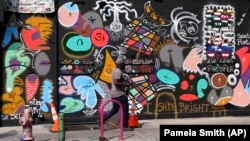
[[28, 27]]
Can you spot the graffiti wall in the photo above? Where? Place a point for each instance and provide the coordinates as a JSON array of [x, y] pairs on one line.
[[28, 45], [183, 59]]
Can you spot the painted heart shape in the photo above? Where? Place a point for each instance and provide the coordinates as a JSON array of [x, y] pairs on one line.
[[31, 86]]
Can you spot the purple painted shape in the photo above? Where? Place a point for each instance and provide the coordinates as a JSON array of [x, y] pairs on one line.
[[15, 64], [35, 35], [44, 62], [245, 77], [32, 77], [19, 110], [141, 30], [121, 118], [140, 98]]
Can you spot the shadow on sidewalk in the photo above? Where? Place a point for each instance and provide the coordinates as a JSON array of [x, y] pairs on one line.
[[8, 133]]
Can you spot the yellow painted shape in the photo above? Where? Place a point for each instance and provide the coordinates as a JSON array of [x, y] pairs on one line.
[[223, 101], [44, 25], [145, 84], [109, 66]]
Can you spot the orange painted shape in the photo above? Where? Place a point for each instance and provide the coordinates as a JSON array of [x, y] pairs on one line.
[[14, 102]]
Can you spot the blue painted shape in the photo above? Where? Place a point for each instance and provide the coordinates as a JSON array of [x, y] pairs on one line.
[[46, 95], [201, 85], [79, 43], [167, 76], [70, 7]]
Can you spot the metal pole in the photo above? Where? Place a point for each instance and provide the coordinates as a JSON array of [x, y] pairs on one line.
[[61, 133]]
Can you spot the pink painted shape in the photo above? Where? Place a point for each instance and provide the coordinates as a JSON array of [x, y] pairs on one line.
[[191, 62], [101, 118], [68, 88], [240, 96]]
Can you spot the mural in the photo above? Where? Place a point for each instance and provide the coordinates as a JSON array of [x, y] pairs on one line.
[[25, 44], [181, 61]]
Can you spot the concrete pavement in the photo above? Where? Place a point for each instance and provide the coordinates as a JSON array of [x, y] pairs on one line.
[[149, 130]]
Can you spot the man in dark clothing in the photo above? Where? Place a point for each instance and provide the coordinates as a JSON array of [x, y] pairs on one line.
[[118, 93]]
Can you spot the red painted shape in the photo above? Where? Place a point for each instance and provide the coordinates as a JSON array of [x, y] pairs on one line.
[[32, 39], [188, 97], [244, 56], [184, 85], [191, 76], [99, 37]]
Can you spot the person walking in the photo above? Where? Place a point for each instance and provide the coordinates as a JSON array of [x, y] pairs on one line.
[[119, 93]]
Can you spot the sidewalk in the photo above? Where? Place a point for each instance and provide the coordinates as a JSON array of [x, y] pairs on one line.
[[148, 132]]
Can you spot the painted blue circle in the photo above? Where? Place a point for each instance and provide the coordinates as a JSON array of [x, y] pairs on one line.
[[70, 7], [167, 76]]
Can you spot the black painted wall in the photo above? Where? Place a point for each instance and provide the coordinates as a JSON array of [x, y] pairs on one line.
[[185, 58]]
